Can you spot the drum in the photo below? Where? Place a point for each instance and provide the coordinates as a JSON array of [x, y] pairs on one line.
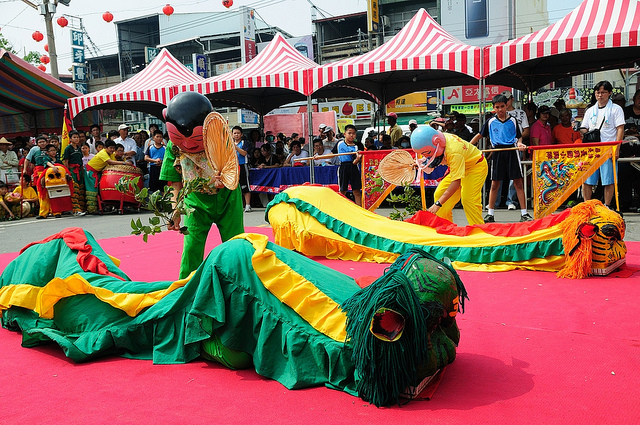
[[111, 175]]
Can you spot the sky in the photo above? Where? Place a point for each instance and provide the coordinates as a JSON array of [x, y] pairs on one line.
[[18, 20]]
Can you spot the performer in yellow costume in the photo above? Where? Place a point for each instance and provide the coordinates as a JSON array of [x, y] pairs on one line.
[[465, 177]]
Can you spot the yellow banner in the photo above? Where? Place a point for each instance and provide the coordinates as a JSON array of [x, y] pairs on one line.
[[559, 170]]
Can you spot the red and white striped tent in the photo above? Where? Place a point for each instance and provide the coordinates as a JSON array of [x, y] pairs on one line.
[[148, 91], [421, 56], [597, 35], [277, 75]]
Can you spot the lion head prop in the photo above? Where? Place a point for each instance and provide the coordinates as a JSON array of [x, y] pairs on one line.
[[592, 237]]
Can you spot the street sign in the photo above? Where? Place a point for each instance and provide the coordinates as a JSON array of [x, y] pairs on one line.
[[78, 55], [77, 38], [81, 87], [200, 64], [150, 54], [79, 73]]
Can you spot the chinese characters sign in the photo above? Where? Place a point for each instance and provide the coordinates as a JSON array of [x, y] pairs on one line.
[[469, 94]]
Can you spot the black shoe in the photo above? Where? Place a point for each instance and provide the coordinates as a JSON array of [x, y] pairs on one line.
[[40, 217], [57, 216], [489, 219], [526, 217]]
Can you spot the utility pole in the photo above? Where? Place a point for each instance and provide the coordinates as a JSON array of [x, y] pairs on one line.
[[48, 9]]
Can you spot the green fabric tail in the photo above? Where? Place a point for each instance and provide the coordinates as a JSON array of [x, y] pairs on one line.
[[385, 369]]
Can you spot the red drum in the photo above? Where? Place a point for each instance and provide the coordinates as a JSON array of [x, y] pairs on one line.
[[111, 175]]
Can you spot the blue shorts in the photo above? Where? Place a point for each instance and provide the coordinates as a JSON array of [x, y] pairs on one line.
[[605, 173]]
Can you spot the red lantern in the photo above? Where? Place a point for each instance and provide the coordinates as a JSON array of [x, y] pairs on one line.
[[107, 16], [62, 21], [46, 47], [167, 10], [37, 36], [227, 3], [42, 68], [45, 59]]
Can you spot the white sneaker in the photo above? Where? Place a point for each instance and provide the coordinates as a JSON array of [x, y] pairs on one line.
[[79, 214], [511, 207], [247, 208]]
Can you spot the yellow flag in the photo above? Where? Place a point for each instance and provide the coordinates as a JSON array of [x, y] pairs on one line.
[[66, 126], [558, 170]]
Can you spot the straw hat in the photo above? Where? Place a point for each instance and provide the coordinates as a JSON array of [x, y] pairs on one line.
[[4, 141]]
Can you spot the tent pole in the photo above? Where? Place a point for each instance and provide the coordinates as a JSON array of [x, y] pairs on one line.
[[310, 137], [481, 112]]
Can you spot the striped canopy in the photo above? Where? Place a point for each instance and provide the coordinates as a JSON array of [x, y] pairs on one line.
[[421, 56], [277, 75], [597, 35], [30, 100], [147, 91]]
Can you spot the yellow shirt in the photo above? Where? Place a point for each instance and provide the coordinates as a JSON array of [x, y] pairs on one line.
[[460, 156], [99, 162], [29, 192]]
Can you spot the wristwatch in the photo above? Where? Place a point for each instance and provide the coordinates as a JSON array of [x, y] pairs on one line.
[[437, 203]]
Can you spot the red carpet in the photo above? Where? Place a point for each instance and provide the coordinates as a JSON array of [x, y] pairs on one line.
[[534, 349]]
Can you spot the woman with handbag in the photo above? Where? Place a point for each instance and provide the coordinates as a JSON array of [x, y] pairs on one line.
[[606, 118]]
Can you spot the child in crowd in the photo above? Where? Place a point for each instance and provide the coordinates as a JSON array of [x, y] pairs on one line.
[[73, 160], [99, 146], [94, 169], [154, 156], [241, 151], [349, 173], [86, 153], [27, 193], [503, 131], [6, 213]]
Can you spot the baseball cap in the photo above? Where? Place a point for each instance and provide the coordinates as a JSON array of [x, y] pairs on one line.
[[507, 94], [123, 127], [322, 126], [414, 122], [327, 128], [392, 115]]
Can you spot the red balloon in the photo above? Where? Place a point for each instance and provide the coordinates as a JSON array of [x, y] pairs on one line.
[[46, 47], [167, 10], [62, 21], [227, 3], [107, 16], [42, 68], [45, 59], [37, 36]]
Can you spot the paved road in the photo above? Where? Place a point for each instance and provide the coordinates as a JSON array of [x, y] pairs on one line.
[[16, 234]]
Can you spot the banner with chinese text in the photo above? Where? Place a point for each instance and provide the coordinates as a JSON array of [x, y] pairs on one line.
[[559, 170]]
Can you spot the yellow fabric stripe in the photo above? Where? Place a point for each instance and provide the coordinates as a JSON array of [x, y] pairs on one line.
[[293, 229], [315, 307], [553, 263], [342, 209], [43, 299]]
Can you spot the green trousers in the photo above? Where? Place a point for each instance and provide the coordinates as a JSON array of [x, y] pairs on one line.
[[224, 209]]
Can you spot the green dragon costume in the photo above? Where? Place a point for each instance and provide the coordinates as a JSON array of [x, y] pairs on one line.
[[251, 302]]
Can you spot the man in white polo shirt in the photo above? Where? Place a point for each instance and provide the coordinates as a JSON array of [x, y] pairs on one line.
[[128, 143]]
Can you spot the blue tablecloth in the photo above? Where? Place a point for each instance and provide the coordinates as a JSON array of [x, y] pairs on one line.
[[275, 180]]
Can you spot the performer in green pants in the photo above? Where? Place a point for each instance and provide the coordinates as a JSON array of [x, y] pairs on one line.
[[185, 160]]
